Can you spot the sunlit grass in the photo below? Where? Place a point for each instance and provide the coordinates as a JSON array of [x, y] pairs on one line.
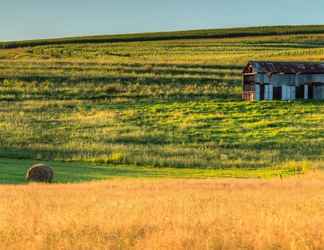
[[172, 133]]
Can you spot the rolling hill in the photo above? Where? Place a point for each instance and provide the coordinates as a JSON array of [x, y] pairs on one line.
[[157, 100]]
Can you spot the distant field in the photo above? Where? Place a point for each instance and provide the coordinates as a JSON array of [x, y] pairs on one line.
[[194, 34], [172, 103]]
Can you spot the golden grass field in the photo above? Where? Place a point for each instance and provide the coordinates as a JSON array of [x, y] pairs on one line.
[[165, 214]]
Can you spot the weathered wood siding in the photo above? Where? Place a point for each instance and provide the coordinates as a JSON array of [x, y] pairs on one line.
[[319, 92], [306, 92], [304, 79], [268, 92], [257, 92], [288, 92], [279, 80]]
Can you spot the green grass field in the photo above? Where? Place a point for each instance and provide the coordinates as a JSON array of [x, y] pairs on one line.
[[13, 171], [160, 106]]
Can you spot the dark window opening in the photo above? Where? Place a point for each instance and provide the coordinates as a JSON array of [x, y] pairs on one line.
[[261, 92], [310, 91], [277, 93], [300, 92]]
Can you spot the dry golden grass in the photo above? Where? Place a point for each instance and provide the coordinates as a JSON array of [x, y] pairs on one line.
[[165, 214]]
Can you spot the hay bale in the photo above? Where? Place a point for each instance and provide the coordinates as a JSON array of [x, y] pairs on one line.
[[40, 173]]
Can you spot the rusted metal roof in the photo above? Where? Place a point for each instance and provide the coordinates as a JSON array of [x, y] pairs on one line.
[[286, 67]]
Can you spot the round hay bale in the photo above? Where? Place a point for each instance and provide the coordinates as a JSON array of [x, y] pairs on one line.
[[40, 173]]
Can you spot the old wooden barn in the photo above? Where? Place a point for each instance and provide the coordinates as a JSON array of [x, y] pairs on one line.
[[283, 81]]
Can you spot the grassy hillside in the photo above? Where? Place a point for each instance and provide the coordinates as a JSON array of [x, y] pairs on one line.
[[168, 103]]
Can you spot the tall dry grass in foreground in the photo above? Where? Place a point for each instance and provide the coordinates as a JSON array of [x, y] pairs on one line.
[[165, 214]]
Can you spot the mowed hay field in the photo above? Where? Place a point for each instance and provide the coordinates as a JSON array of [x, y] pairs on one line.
[[165, 214], [170, 103]]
